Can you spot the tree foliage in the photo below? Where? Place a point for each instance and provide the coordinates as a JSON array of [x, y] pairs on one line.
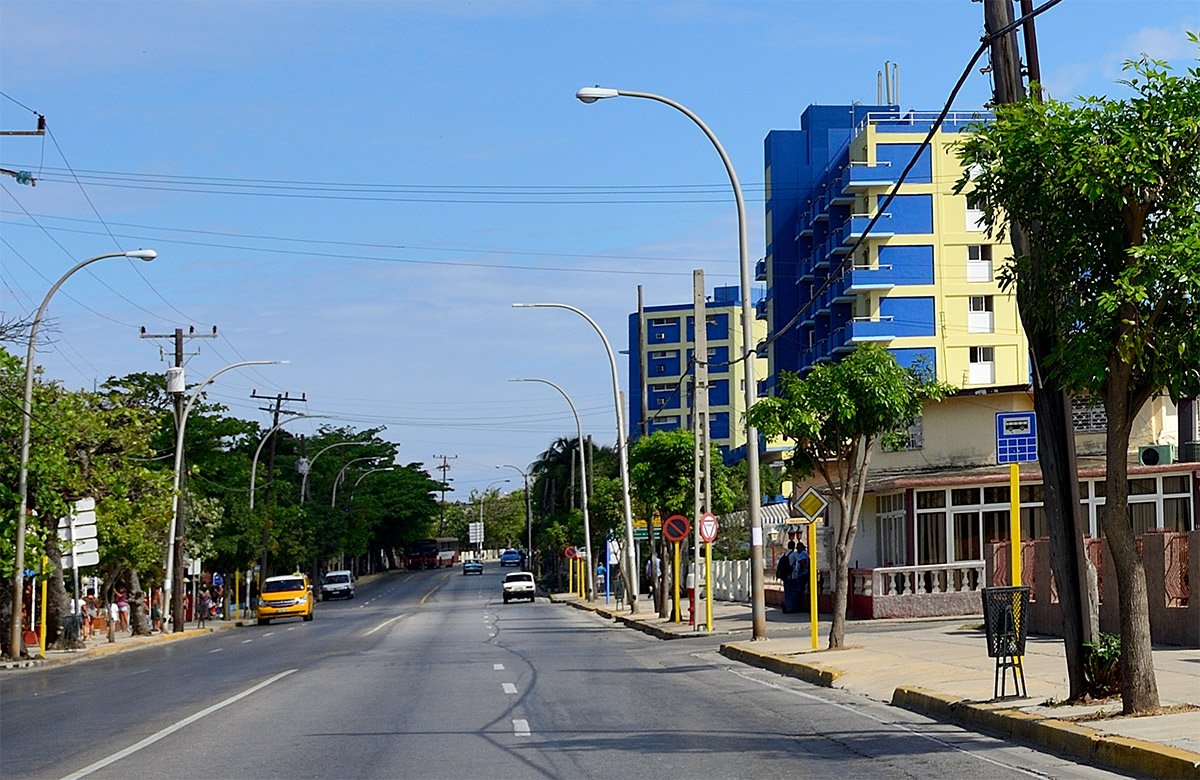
[[836, 417], [1108, 191]]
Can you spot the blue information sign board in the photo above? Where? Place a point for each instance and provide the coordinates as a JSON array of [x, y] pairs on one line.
[[1016, 437]]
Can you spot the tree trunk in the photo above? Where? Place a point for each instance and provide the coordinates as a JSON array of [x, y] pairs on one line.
[[1060, 501], [138, 626], [841, 569], [1139, 689]]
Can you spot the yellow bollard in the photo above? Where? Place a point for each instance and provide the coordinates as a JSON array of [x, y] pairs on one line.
[[676, 578], [812, 582], [708, 584], [571, 575], [45, 582]]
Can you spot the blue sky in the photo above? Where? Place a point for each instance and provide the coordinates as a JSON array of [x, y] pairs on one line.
[[364, 188]]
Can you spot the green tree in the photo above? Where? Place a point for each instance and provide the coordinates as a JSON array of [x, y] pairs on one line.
[[837, 416], [1108, 191], [662, 479]]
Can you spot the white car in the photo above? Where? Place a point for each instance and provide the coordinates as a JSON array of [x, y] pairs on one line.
[[337, 585], [519, 585]]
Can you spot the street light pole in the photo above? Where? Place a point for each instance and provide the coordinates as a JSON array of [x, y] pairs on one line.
[[304, 478], [758, 600], [528, 511], [587, 527], [266, 534], [176, 503], [630, 564], [342, 473], [26, 416]]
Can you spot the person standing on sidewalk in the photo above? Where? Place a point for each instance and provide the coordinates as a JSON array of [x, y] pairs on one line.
[[203, 605], [783, 571], [156, 601], [799, 576]]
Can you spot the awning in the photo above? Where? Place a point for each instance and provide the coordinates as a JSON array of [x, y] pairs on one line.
[[768, 515]]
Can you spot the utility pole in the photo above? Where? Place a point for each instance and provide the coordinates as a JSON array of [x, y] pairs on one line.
[[643, 380], [277, 410], [701, 495], [177, 390], [444, 468], [1056, 435]]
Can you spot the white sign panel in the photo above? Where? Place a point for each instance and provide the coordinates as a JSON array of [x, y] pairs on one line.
[[84, 559]]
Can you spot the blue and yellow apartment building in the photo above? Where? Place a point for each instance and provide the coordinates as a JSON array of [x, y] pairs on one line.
[[924, 283]]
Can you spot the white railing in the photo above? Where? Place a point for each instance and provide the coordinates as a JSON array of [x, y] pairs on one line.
[[963, 577]]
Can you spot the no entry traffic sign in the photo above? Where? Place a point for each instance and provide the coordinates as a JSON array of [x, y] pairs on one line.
[[708, 527], [570, 552], [676, 528]]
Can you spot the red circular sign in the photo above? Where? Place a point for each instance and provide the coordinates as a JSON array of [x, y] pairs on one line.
[[708, 527], [569, 551], [676, 528]]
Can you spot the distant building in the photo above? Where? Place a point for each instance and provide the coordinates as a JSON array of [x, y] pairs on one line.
[[662, 344]]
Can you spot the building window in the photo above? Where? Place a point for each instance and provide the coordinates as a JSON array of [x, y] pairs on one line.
[[931, 538], [979, 263], [982, 370], [1088, 415], [974, 217], [980, 315], [914, 438], [891, 541]]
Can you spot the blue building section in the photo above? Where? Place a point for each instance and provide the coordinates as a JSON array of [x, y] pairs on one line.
[[815, 190], [667, 347]]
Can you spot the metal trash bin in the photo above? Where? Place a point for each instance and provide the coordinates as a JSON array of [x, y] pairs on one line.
[[1005, 619], [71, 627]]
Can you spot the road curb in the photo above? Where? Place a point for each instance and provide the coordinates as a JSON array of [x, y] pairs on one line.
[[61, 657], [1072, 739], [781, 664]]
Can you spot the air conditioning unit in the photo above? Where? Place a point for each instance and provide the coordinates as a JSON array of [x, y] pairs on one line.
[[1156, 454], [1190, 452]]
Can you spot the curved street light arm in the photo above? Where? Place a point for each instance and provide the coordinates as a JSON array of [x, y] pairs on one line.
[[583, 494], [168, 578], [623, 456], [528, 509], [26, 417], [758, 601]]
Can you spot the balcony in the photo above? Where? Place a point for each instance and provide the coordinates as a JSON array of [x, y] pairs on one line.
[[760, 270], [862, 329], [760, 309], [860, 176], [866, 279], [857, 225]]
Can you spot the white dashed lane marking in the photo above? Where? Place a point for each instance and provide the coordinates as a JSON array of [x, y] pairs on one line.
[[498, 667], [520, 727], [509, 688]]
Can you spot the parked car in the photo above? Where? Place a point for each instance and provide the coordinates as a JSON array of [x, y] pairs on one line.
[[337, 585], [472, 566], [289, 595], [518, 585], [510, 557]]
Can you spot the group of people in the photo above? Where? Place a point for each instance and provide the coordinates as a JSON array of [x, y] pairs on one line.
[[117, 611], [792, 569]]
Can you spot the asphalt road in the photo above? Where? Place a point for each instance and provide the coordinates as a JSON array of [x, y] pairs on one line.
[[428, 674]]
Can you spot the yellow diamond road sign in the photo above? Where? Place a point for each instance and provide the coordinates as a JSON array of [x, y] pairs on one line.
[[810, 504]]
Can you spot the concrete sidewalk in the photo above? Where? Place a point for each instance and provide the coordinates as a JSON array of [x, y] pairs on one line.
[[122, 641], [940, 667]]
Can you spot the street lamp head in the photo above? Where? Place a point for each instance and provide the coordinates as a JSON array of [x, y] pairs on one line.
[[142, 254], [592, 94]]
